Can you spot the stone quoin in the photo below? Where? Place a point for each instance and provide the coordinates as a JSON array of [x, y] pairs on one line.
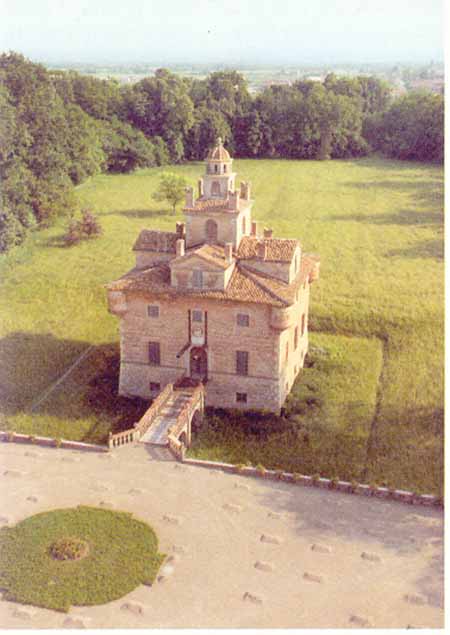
[[216, 301]]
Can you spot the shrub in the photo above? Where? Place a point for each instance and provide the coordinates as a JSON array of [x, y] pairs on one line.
[[333, 482], [261, 469], [87, 227]]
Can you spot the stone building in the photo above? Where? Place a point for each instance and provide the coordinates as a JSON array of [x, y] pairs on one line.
[[215, 301]]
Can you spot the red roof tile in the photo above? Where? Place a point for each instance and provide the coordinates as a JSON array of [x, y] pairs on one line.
[[278, 249]]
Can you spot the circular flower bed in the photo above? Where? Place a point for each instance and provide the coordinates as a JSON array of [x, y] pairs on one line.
[[80, 556]]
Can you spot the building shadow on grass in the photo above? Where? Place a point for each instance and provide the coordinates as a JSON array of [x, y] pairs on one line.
[[31, 366]]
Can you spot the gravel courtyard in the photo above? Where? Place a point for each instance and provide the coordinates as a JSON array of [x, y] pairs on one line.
[[242, 552]]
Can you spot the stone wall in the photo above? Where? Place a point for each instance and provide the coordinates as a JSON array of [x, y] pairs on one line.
[[224, 338]]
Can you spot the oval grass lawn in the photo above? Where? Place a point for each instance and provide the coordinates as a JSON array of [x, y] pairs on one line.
[[123, 553]]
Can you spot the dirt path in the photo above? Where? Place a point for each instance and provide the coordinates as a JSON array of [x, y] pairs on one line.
[[244, 553]]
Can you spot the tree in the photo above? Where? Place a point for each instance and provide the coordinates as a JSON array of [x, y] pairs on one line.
[[171, 188]]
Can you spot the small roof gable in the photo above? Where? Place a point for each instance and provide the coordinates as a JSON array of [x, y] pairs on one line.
[[155, 240], [277, 249], [212, 254]]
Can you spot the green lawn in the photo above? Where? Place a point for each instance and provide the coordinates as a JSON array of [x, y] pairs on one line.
[[121, 553], [377, 310]]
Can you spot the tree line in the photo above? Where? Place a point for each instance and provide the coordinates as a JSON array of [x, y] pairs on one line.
[[58, 128]]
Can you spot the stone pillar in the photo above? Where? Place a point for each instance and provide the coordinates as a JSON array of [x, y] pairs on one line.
[[180, 247], [189, 197]]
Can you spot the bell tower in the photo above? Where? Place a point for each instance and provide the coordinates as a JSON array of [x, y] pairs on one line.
[[219, 178], [221, 214]]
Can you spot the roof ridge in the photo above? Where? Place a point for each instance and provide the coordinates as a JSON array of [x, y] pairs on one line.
[[261, 285]]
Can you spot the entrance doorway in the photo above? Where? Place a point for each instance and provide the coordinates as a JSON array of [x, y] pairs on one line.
[[198, 364]]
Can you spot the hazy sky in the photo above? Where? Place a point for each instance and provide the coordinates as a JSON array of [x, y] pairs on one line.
[[223, 31]]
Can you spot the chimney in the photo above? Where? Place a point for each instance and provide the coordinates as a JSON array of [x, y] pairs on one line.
[[262, 250], [200, 187], [180, 227], [180, 247], [268, 232], [189, 196], [229, 252], [254, 231]]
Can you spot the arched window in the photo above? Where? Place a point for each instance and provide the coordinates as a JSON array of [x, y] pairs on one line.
[[215, 188], [211, 231]]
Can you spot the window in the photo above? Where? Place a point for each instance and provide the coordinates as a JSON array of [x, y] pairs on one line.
[[211, 231], [242, 362], [287, 350], [197, 278], [303, 323], [197, 316], [242, 319], [154, 353], [241, 397], [224, 168], [155, 386], [295, 338], [215, 168], [153, 310], [215, 188], [244, 225]]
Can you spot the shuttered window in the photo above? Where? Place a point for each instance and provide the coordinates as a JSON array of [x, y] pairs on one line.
[[243, 319], [154, 353], [242, 362]]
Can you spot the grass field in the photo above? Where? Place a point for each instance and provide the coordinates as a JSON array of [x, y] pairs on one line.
[[377, 313]]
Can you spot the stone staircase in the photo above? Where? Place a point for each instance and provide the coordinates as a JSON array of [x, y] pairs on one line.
[[166, 418]]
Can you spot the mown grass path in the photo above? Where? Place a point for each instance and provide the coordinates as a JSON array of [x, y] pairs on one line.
[[378, 227]]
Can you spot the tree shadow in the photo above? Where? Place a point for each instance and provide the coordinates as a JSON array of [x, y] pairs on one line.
[[425, 249], [404, 217], [31, 364], [139, 213]]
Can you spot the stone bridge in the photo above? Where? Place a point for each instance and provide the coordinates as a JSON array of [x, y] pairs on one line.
[[169, 420]]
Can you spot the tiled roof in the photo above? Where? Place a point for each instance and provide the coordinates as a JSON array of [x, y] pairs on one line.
[[245, 285], [211, 253], [154, 240], [278, 249]]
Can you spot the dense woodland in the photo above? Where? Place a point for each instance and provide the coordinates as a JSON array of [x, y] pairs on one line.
[[58, 128]]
